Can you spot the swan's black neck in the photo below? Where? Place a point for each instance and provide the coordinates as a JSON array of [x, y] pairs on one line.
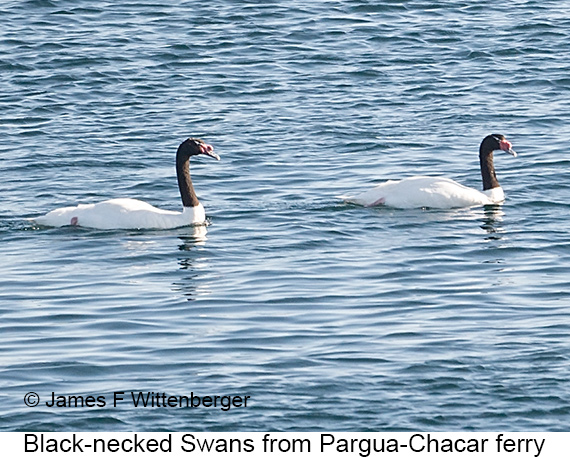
[[488, 168], [187, 193]]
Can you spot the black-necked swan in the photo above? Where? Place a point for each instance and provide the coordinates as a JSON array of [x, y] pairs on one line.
[[128, 213], [436, 192]]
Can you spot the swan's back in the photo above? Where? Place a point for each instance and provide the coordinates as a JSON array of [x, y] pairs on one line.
[[425, 192], [122, 213]]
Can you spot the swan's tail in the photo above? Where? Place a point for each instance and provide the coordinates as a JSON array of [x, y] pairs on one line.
[[344, 198]]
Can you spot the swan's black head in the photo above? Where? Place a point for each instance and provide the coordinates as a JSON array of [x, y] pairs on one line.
[[194, 147], [496, 142]]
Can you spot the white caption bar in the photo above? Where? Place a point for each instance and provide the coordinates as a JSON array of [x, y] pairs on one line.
[[341, 444]]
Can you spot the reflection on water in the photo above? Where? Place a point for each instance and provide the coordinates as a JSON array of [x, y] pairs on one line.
[[186, 260], [197, 237], [493, 222]]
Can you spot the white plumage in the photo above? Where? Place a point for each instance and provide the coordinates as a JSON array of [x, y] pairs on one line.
[[426, 192], [122, 213]]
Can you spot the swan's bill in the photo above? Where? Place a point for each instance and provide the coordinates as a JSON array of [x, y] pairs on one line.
[[507, 147]]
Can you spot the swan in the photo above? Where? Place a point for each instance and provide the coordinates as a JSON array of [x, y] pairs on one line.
[[436, 192], [128, 213]]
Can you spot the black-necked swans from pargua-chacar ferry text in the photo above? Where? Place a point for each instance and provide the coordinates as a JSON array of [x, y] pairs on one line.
[[128, 213], [438, 192]]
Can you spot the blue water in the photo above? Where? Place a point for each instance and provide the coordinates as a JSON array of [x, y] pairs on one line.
[[329, 316]]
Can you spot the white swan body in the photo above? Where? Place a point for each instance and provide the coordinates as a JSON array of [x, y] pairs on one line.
[[123, 213], [128, 213], [436, 192], [426, 192]]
